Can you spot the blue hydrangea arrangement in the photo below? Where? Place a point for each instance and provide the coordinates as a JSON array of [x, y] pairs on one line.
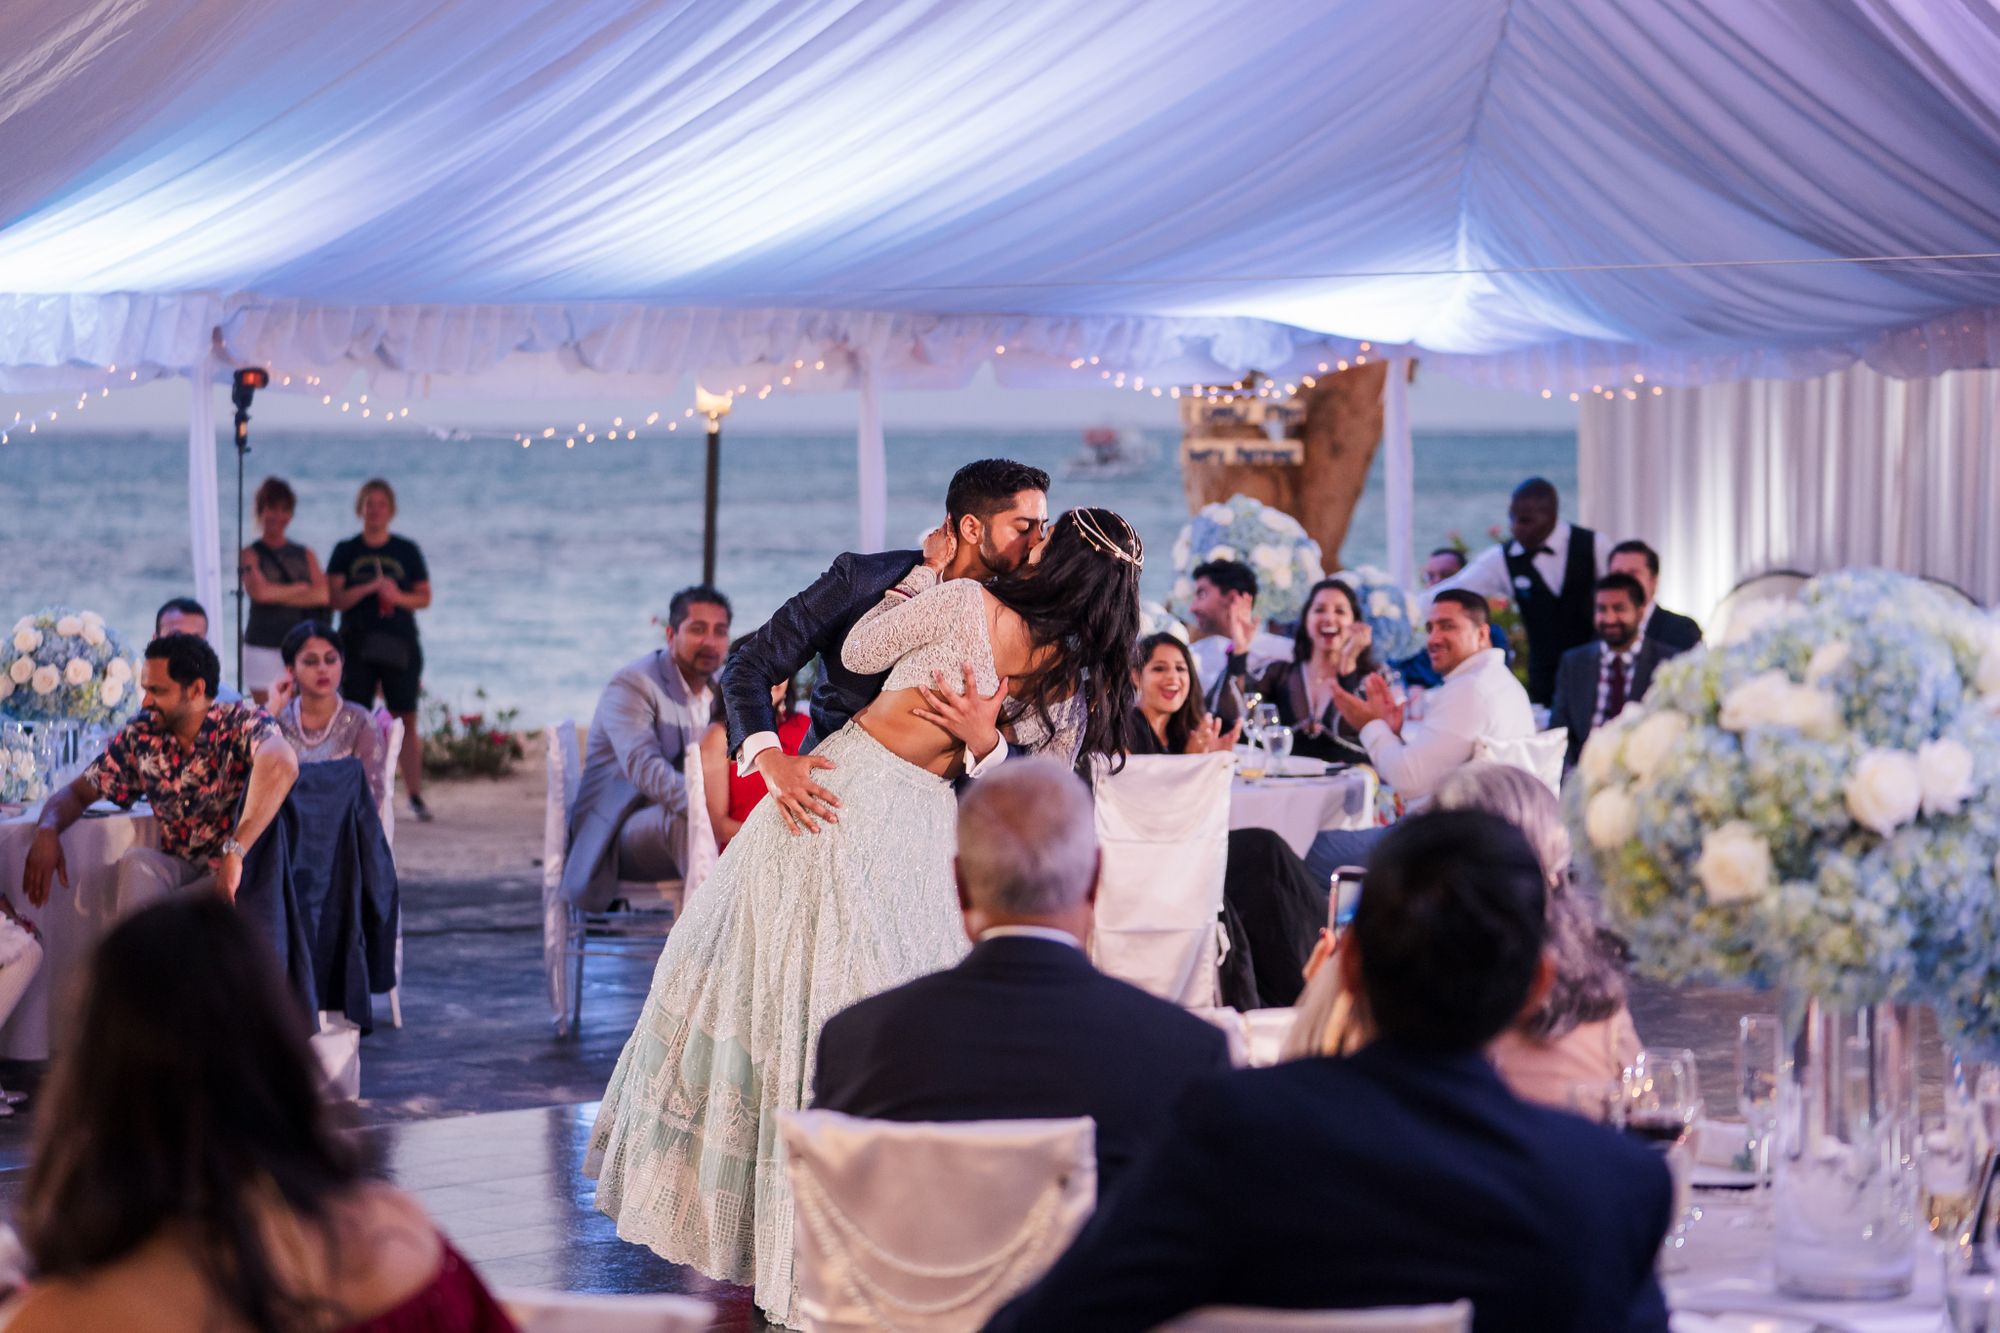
[[1390, 609], [60, 665], [1814, 802], [1270, 541]]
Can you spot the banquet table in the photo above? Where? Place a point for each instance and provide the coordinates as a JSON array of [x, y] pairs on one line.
[[1299, 809], [1721, 1281], [70, 922]]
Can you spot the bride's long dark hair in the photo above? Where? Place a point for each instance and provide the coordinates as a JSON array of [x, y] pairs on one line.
[[1082, 599]]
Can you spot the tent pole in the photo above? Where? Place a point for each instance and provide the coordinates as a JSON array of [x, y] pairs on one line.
[[871, 463], [204, 518], [1399, 472]]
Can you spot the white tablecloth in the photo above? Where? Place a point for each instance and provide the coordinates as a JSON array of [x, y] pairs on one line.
[[1299, 809], [1723, 1278], [71, 921]]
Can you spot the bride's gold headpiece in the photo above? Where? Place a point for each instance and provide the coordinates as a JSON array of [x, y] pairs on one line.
[[1094, 537]]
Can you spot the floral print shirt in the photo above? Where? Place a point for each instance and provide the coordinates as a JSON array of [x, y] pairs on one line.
[[195, 794]]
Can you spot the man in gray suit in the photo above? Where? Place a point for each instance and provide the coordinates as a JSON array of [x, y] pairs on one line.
[[1594, 682], [630, 816]]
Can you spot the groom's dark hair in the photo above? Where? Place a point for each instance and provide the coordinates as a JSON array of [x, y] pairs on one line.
[[985, 488]]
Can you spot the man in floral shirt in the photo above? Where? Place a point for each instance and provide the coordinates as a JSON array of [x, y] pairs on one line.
[[215, 774]]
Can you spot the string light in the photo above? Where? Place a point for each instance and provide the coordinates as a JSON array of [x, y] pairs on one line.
[[84, 399]]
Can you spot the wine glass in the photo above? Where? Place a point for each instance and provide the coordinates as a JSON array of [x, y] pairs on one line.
[[1971, 1287], [1948, 1170], [1277, 739], [1758, 1039], [1662, 1102]]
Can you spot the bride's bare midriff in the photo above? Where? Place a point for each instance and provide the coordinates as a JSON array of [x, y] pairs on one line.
[[891, 719]]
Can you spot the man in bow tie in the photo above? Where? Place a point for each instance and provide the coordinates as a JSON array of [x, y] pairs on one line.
[[1550, 569]]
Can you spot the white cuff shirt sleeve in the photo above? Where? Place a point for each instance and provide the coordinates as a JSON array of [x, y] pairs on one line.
[[753, 745], [975, 768]]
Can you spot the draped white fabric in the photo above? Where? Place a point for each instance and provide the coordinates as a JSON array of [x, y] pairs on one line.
[[1179, 187], [1731, 480]]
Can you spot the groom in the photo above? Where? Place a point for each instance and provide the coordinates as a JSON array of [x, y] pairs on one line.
[[997, 509]]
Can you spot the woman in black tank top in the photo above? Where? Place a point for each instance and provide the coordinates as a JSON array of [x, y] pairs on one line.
[[285, 586]]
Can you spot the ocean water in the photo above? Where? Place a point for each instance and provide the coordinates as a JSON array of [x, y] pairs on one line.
[[548, 565]]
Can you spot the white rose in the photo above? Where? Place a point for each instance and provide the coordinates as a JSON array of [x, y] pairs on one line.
[[1809, 711], [1281, 577], [77, 670], [110, 693], [45, 680], [1653, 738], [1267, 557], [27, 640], [1221, 553], [1885, 790], [1380, 603], [90, 618], [1276, 519], [1611, 818], [1988, 679], [118, 669], [21, 669], [1756, 702], [69, 626], [1219, 513], [1944, 768], [93, 634], [1600, 751], [25, 622], [1826, 659], [1735, 863]]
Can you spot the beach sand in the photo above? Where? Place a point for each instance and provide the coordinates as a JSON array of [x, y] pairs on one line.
[[486, 828]]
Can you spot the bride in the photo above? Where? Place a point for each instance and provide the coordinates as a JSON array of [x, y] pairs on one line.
[[788, 930]]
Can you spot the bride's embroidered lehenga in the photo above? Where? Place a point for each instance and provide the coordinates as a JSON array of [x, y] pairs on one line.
[[787, 931]]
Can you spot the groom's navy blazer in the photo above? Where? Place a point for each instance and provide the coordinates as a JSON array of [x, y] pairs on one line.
[[812, 624], [1388, 1177]]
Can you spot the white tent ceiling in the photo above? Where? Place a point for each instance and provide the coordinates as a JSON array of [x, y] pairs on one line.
[[1535, 193]]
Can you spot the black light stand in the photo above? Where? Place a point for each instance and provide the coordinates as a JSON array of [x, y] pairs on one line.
[[248, 381], [709, 497]]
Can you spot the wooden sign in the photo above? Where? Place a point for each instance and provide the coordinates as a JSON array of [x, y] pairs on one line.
[[1253, 451]]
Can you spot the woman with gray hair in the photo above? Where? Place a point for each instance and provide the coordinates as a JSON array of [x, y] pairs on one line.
[[1583, 1031]]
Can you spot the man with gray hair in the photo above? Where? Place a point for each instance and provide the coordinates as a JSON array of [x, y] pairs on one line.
[[1024, 1027]]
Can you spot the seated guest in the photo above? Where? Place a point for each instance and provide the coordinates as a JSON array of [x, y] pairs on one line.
[[184, 615], [1271, 906], [630, 816], [320, 725], [1479, 700], [1675, 632], [1441, 564], [1596, 681], [1331, 649], [1025, 1028], [1231, 654], [1582, 1032], [196, 762], [732, 795], [187, 1175], [1404, 1174]]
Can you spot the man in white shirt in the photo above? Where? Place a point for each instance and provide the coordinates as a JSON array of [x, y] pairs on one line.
[[1550, 570], [1480, 699], [629, 820]]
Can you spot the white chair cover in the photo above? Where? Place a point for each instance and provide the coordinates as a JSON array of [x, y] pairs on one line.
[[1231, 1023], [701, 853], [1540, 754], [1453, 1318], [1163, 822], [565, 772], [1266, 1030], [392, 748], [929, 1227], [574, 1312]]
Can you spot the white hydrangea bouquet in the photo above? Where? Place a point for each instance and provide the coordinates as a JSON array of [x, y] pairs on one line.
[[1390, 609], [1815, 803], [60, 665], [20, 776], [1270, 541]]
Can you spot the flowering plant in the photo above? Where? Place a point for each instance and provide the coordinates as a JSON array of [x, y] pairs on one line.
[[1269, 540], [1816, 802], [1390, 610], [20, 775], [466, 744], [60, 665]]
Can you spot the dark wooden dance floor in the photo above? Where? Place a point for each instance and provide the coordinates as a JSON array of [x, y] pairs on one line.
[[482, 1113]]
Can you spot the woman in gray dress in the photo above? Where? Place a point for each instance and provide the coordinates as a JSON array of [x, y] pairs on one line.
[[305, 699]]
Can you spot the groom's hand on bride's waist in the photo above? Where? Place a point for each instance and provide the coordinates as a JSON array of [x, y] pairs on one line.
[[971, 718], [788, 778]]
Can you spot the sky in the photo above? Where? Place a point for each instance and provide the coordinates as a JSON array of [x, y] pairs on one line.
[[1436, 403]]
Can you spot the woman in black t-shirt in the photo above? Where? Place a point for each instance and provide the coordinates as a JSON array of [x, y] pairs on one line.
[[378, 581], [285, 586]]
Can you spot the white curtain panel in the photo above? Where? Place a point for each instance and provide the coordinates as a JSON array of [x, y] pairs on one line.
[[1527, 192], [1732, 480]]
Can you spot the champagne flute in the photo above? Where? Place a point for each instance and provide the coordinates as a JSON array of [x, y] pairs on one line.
[[1758, 1040]]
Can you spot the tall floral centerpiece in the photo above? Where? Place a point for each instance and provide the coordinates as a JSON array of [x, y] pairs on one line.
[[65, 671], [1814, 804], [1270, 541]]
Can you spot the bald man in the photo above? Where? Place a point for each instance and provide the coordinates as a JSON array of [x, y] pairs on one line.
[[1025, 1028]]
